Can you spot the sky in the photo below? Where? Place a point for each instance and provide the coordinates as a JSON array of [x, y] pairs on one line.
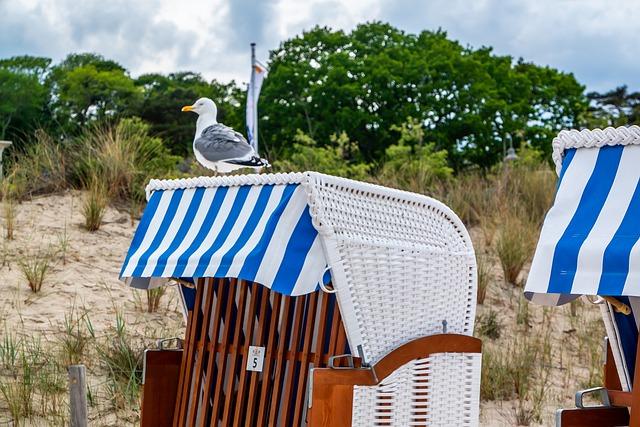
[[597, 40]]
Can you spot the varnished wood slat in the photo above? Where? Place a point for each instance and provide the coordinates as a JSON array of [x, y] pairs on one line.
[[260, 333], [594, 417], [185, 375], [160, 389], [183, 369], [230, 400], [300, 403], [293, 347], [255, 291], [611, 377], [332, 406], [289, 355], [341, 342], [208, 295], [619, 398], [266, 318], [222, 291], [218, 393], [269, 358], [335, 331], [634, 418], [280, 362], [322, 324]]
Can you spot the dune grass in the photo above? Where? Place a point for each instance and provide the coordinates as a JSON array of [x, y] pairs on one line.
[[111, 163], [484, 277], [95, 203], [35, 266], [514, 245]]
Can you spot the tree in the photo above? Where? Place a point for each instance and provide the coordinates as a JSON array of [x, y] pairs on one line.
[[162, 97], [472, 103], [87, 87], [23, 96], [339, 158], [31, 65], [411, 163], [616, 107]]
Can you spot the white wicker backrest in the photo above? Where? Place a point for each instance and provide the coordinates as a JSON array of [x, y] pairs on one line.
[[442, 390], [403, 264]]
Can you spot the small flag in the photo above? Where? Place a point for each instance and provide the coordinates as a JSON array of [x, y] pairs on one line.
[[258, 73]]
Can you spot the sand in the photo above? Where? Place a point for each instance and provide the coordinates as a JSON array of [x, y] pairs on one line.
[[87, 279], [82, 280]]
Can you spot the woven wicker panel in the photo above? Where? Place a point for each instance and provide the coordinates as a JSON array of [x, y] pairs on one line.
[[440, 391], [402, 263], [404, 268]]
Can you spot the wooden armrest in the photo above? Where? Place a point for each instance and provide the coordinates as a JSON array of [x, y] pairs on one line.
[[416, 349], [331, 395], [595, 417]]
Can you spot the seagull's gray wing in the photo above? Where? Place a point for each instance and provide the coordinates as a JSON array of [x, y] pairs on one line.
[[219, 142]]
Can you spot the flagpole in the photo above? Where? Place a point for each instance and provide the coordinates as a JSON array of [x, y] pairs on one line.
[[254, 107]]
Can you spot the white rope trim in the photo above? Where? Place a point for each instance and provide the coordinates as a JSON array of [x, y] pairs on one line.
[[224, 181], [566, 139]]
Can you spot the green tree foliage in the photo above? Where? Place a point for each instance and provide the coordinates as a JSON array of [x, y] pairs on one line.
[[87, 87], [337, 88], [162, 97], [470, 101], [23, 95], [617, 107], [411, 163], [339, 157], [412, 156]]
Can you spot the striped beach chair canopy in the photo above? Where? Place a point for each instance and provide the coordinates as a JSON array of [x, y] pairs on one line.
[[380, 248], [252, 227], [589, 243]]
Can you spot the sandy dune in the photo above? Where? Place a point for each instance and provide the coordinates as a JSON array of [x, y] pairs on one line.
[[89, 281]]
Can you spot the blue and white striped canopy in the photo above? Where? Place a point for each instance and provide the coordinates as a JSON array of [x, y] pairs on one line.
[[261, 233], [590, 240]]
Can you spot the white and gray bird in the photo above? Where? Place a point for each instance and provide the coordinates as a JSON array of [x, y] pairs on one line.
[[218, 147]]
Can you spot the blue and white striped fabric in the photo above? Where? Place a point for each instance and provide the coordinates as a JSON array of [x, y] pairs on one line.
[[589, 243], [260, 233]]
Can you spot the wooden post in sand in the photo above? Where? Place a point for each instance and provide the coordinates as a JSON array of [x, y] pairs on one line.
[[78, 395], [3, 145]]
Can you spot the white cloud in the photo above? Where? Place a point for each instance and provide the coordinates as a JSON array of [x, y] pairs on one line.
[[596, 40]]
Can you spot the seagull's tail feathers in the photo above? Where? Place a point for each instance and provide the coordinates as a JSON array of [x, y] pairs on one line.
[[253, 162]]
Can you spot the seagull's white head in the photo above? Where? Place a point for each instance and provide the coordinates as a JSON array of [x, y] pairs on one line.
[[202, 106]]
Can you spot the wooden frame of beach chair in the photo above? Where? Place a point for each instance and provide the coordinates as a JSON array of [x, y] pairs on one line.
[[332, 394], [619, 410], [161, 375], [394, 322], [588, 246], [296, 333]]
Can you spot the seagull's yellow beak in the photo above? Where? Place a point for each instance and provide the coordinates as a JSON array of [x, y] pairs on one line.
[[187, 108]]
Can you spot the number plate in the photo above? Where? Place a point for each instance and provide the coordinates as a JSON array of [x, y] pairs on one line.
[[255, 359]]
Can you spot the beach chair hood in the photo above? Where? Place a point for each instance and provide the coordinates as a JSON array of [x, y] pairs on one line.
[[250, 227], [381, 249], [589, 243]]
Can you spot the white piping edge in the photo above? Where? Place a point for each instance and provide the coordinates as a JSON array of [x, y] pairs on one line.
[[224, 181], [596, 138]]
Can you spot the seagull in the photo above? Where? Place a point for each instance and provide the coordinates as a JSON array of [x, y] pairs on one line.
[[218, 147]]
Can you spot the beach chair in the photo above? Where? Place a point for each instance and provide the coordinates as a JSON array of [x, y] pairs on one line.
[[589, 245], [311, 300]]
